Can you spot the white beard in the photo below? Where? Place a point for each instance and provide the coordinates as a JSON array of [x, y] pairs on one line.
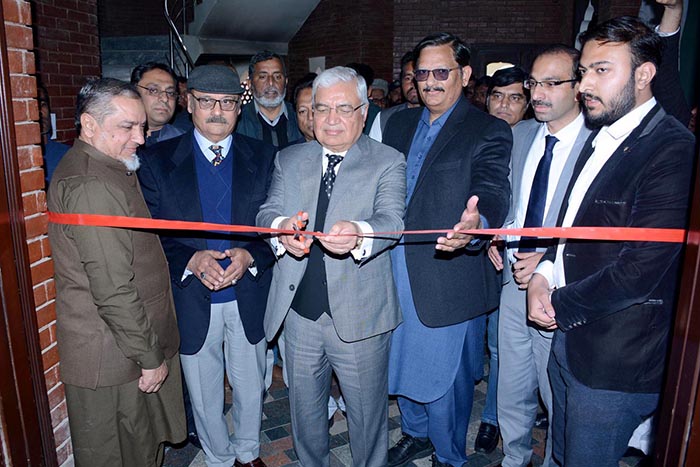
[[132, 163]]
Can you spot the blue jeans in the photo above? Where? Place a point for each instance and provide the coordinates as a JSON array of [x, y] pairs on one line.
[[489, 414], [591, 426]]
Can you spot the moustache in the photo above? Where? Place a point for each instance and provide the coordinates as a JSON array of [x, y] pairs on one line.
[[217, 119], [433, 88], [271, 90], [590, 97], [538, 102]]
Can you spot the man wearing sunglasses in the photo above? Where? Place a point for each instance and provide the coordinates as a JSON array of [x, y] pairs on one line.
[[157, 85], [457, 156], [220, 281]]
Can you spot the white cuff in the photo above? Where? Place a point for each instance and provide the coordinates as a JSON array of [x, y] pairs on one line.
[[665, 34], [546, 269], [365, 249], [274, 241]]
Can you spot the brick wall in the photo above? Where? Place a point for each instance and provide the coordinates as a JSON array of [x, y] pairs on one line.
[[345, 32], [21, 54], [68, 53]]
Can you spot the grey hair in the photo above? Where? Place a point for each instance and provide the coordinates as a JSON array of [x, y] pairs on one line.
[[95, 98], [341, 74]]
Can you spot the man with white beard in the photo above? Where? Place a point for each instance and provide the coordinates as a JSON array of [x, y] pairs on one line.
[[269, 118]]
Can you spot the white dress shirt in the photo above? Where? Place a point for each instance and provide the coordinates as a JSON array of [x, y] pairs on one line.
[[605, 144], [562, 151], [204, 145]]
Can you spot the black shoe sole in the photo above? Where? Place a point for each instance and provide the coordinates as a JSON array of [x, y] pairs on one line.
[[418, 455]]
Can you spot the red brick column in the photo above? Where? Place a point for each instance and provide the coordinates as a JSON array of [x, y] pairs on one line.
[[18, 22]]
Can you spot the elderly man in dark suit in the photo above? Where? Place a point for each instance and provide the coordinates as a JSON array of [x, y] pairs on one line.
[[612, 303], [457, 156], [220, 281], [336, 298], [117, 333]]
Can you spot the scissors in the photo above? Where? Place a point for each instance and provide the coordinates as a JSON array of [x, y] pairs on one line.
[[299, 225]]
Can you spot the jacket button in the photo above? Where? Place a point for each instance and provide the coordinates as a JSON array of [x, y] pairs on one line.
[[207, 298], [291, 287]]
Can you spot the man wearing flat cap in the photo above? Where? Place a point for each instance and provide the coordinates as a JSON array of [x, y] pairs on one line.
[[220, 281]]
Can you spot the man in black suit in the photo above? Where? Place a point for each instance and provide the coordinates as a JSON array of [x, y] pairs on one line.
[[611, 303], [457, 156], [220, 282]]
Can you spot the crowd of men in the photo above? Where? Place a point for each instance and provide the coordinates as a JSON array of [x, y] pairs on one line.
[[151, 323]]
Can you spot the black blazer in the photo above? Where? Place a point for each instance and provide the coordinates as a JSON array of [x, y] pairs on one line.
[[617, 306], [470, 156], [169, 183]]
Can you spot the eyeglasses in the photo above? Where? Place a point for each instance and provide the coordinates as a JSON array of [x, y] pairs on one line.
[[512, 98], [547, 84], [208, 103], [440, 74], [343, 110], [155, 92]]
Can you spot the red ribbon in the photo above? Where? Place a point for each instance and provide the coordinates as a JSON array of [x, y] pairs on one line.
[[628, 234]]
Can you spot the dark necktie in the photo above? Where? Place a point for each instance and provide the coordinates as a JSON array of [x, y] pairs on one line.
[[329, 175], [218, 157], [538, 193]]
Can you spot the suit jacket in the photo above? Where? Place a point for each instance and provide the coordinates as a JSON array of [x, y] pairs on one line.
[[617, 306], [469, 157], [114, 307], [170, 186], [524, 134], [370, 186], [249, 124]]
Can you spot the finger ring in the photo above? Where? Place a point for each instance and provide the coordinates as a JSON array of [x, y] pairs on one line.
[[202, 275], [233, 282]]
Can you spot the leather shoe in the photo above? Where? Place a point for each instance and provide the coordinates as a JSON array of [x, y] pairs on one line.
[[541, 421], [487, 438], [194, 440], [436, 463], [257, 462], [409, 448]]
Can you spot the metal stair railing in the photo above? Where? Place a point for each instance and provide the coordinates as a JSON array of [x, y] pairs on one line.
[[180, 60]]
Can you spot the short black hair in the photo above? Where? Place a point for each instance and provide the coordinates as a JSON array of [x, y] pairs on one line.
[[95, 98], [459, 47], [555, 49], [363, 70], [138, 72], [508, 76], [264, 56], [483, 81], [407, 58], [306, 82], [644, 43]]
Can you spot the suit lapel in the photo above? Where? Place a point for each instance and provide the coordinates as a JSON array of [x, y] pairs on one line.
[[244, 177], [309, 180], [345, 186], [183, 179], [565, 177], [450, 128]]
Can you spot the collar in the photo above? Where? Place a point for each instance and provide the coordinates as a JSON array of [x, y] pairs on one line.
[[204, 144], [272, 122], [440, 121], [624, 126], [569, 132], [327, 151]]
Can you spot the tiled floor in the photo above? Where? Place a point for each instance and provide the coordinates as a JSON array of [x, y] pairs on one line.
[[276, 442]]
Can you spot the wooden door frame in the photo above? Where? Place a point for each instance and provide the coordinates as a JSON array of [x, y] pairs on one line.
[[26, 419]]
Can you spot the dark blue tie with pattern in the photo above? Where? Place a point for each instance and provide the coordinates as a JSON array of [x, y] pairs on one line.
[[538, 194]]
